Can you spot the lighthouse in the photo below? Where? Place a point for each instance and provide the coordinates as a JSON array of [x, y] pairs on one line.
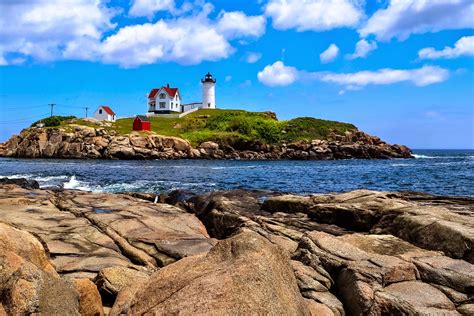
[[208, 92]]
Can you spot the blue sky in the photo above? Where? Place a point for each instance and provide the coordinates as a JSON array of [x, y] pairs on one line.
[[400, 69]]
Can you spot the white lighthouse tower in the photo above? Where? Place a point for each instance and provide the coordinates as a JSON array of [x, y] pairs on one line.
[[208, 92]]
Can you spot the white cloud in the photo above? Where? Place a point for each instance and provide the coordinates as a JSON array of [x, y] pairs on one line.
[[277, 75], [48, 30], [237, 24], [185, 40], [362, 49], [180, 41], [329, 54], [41, 28], [148, 8], [228, 78], [280, 75], [252, 57], [315, 15], [404, 17], [463, 47], [423, 76]]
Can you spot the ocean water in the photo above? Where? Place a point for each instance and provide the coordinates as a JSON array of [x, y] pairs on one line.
[[447, 172]]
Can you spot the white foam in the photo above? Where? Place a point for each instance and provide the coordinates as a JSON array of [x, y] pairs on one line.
[[19, 176], [441, 157], [73, 183], [423, 157]]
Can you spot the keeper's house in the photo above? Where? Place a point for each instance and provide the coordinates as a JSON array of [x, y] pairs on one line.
[[164, 100]]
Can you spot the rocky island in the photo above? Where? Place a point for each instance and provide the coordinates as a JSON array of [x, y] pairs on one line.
[[204, 134], [234, 252]]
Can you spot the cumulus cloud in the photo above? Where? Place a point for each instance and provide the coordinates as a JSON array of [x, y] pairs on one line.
[[179, 40], [404, 17], [315, 15], [362, 49], [463, 47], [237, 24], [185, 40], [280, 75], [329, 54], [48, 30], [148, 8], [421, 77], [42, 28], [252, 57], [277, 75]]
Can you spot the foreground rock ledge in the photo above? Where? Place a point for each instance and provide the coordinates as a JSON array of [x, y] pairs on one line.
[[83, 142], [235, 252]]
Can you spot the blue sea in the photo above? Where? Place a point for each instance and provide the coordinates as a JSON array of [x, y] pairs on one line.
[[447, 172]]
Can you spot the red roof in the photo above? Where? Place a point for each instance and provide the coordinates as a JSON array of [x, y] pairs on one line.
[[153, 93], [171, 92], [108, 110]]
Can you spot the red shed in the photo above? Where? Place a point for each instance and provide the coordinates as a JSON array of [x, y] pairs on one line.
[[141, 123]]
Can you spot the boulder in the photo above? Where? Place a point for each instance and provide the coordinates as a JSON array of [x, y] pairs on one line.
[[244, 275], [90, 303], [466, 309], [209, 145], [138, 141], [26, 246], [376, 274], [22, 182], [110, 281], [412, 298], [28, 282], [119, 147], [453, 273], [433, 227], [87, 232]]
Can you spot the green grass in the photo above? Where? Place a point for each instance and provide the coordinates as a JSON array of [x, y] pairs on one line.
[[227, 125], [311, 128]]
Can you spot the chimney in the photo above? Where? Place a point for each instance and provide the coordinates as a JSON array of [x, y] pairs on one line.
[[167, 85]]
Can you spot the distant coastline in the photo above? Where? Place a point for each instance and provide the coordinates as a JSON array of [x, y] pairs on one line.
[[204, 134]]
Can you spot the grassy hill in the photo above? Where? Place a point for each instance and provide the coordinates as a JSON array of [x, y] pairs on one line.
[[222, 125]]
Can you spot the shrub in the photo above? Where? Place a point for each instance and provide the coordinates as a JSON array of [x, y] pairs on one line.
[[53, 120]]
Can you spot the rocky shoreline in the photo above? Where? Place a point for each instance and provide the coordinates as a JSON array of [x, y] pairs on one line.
[[234, 252], [84, 142]]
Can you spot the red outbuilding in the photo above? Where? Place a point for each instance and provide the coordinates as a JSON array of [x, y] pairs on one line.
[[141, 123]]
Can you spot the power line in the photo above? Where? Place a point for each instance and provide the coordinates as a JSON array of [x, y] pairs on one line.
[[24, 119], [21, 107]]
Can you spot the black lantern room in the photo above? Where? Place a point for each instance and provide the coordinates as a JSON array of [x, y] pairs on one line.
[[208, 78]]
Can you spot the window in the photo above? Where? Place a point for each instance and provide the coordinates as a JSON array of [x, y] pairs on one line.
[[208, 105], [172, 105], [100, 111], [162, 96], [162, 105]]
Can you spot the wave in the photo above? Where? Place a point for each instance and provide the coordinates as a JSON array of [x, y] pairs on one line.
[[75, 184], [134, 186], [424, 157], [43, 181], [18, 176], [442, 157]]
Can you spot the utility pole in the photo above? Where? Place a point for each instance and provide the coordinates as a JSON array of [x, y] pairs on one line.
[[52, 106], [87, 108]]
